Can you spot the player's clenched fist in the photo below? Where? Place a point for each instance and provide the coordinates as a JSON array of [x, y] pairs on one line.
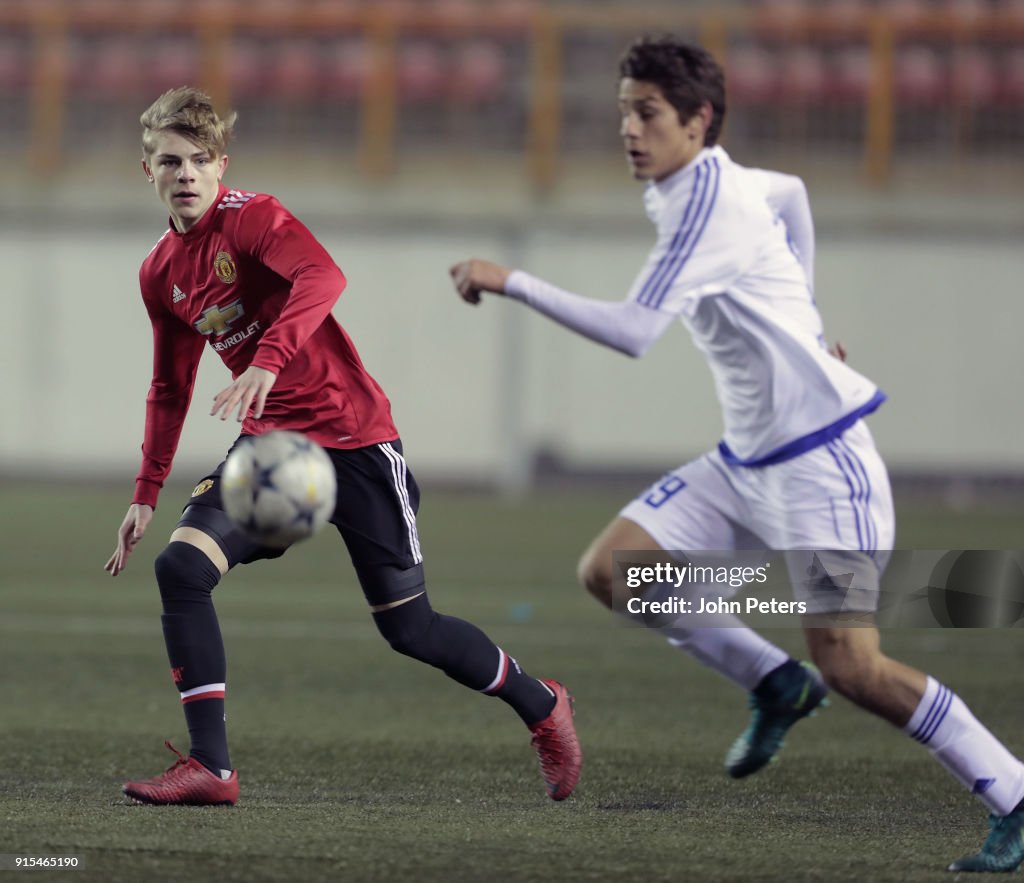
[[474, 276]]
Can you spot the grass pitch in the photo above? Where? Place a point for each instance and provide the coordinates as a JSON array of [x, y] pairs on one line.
[[357, 764]]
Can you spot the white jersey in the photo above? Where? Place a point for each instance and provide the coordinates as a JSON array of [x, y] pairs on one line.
[[723, 264]]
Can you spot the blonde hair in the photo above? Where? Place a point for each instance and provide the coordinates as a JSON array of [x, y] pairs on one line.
[[189, 112]]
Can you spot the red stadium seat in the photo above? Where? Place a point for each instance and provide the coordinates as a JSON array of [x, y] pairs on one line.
[[108, 68], [850, 72], [478, 73], [920, 77], [752, 75], [975, 78], [803, 77], [246, 66], [173, 63], [15, 65], [294, 70], [1011, 78], [421, 72], [346, 69]]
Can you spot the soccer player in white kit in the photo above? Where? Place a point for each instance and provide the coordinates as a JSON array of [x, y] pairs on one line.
[[797, 468]]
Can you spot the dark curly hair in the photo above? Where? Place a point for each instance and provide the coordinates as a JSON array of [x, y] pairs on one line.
[[687, 75]]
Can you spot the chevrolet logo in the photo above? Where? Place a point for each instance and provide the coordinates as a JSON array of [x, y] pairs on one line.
[[216, 320]]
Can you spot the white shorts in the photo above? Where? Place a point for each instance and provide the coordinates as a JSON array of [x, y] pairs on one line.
[[835, 498]]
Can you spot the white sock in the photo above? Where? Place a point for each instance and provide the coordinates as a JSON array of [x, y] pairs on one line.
[[728, 645], [720, 641], [961, 743]]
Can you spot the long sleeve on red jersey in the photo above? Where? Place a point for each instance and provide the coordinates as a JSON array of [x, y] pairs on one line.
[[275, 237], [176, 354]]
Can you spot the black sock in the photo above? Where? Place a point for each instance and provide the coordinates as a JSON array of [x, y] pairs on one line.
[[532, 699], [464, 653], [186, 577]]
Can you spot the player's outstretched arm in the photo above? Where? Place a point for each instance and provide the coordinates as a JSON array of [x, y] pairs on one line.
[[473, 277], [132, 529], [625, 326]]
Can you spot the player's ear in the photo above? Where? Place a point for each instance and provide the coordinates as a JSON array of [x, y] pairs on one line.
[[147, 170], [700, 122], [222, 165]]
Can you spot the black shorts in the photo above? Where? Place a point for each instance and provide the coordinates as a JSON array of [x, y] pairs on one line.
[[375, 512]]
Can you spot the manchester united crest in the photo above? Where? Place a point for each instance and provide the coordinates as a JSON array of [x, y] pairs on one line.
[[224, 267], [202, 487]]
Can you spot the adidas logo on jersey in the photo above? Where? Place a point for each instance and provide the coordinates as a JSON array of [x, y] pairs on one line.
[[177, 295], [234, 199]]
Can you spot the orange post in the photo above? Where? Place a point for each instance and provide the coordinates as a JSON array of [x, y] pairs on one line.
[[379, 119], [48, 99], [878, 143], [545, 115]]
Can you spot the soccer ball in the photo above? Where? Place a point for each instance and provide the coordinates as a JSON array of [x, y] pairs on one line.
[[279, 487]]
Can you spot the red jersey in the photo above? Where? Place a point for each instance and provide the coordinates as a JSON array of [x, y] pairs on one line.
[[252, 282]]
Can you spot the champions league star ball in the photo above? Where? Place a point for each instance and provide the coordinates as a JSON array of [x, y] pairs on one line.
[[279, 487]]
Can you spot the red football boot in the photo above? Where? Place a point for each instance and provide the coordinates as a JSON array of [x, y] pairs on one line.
[[557, 747], [186, 783]]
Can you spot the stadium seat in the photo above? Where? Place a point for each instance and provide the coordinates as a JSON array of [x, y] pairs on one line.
[[346, 68], [752, 75], [246, 65], [15, 67], [849, 75], [173, 63], [478, 73], [421, 72], [920, 77], [974, 77], [1011, 78], [803, 77], [294, 70], [110, 67]]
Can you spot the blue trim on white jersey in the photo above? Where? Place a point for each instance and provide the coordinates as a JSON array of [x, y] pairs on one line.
[[691, 228], [807, 442]]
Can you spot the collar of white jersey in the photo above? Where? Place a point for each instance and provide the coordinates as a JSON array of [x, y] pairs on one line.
[[659, 193]]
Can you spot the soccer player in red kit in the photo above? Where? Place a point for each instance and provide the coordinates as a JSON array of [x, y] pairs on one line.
[[238, 272]]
